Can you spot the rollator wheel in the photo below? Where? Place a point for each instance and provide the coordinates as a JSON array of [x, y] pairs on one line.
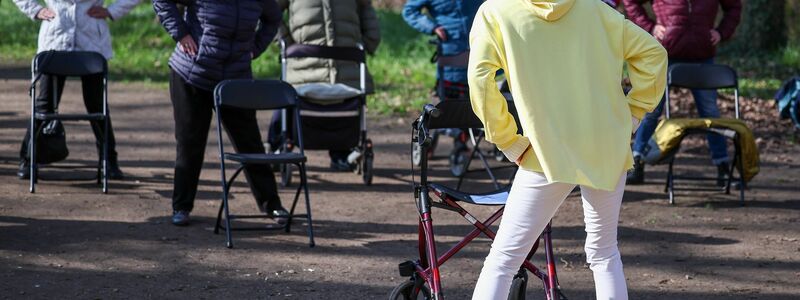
[[408, 291], [458, 161], [518, 286], [286, 175], [367, 162]]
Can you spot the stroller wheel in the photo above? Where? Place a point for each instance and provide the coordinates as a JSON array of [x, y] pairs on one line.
[[367, 161], [286, 175], [458, 161], [410, 290], [518, 286]]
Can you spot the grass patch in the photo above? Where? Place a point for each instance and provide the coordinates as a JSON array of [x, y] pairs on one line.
[[403, 75]]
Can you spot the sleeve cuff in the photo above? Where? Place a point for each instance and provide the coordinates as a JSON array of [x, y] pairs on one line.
[[517, 148]]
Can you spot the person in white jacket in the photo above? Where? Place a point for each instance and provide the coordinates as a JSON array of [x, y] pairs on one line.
[[74, 25]]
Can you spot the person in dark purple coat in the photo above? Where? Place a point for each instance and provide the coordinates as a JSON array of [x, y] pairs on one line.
[[216, 40]]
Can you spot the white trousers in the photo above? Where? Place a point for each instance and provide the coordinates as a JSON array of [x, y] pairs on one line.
[[530, 206]]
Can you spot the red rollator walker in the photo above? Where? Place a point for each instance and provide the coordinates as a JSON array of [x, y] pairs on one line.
[[423, 274]]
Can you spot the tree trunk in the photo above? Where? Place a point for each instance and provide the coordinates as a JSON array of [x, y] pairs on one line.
[[763, 27]]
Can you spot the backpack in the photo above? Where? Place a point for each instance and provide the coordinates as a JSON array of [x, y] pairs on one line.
[[788, 97]]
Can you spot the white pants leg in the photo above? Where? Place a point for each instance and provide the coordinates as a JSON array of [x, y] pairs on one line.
[[601, 215], [530, 206]]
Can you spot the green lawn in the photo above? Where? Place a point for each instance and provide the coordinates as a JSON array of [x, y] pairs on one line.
[[401, 68]]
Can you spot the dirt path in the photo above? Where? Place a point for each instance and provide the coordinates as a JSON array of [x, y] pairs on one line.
[[70, 241]]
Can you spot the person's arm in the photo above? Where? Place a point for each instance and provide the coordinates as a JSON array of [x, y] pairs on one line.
[[732, 14], [270, 21], [370, 26], [170, 17], [647, 69], [29, 7], [488, 104], [412, 13], [283, 31], [120, 8], [637, 14]]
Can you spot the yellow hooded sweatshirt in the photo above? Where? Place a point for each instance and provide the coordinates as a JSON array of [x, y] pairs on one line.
[[563, 60]]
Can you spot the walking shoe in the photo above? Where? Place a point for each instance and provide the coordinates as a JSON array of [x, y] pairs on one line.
[[722, 174], [24, 171], [636, 176], [114, 171], [281, 215], [340, 165], [180, 217]]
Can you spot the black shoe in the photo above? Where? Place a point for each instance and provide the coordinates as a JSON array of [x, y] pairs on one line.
[[24, 171], [722, 174], [281, 215], [180, 217], [636, 176], [341, 165], [114, 171]]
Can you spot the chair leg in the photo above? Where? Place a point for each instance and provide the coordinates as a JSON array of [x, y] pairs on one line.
[[304, 183], [228, 235], [219, 218], [32, 157], [742, 183], [294, 203], [105, 154], [671, 183]]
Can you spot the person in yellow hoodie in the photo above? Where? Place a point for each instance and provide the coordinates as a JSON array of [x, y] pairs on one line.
[[564, 62]]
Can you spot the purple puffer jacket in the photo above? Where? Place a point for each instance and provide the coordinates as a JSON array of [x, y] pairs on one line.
[[229, 35]]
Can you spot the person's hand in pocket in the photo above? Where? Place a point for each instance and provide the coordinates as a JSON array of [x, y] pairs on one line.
[[98, 12], [45, 14], [187, 45]]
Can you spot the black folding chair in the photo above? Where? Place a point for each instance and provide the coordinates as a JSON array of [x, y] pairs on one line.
[[706, 76], [71, 64], [260, 95]]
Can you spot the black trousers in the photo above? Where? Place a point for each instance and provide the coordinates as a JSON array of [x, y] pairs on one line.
[[92, 86], [193, 109]]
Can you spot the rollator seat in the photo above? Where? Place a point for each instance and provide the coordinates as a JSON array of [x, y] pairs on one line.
[[263, 158], [70, 117], [497, 197]]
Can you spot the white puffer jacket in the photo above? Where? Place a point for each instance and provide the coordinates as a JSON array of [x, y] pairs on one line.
[[73, 29]]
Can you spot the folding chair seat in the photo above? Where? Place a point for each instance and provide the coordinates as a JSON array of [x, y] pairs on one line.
[[705, 76], [68, 64], [260, 95], [266, 159], [497, 197]]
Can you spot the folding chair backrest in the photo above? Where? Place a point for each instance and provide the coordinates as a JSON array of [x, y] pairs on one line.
[[702, 76], [255, 94], [69, 63], [459, 114]]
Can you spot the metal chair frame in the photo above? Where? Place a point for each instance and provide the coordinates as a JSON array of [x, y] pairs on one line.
[[289, 102], [68, 64], [704, 76]]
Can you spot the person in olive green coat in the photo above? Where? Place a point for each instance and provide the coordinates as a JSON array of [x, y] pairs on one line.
[[348, 23], [320, 22]]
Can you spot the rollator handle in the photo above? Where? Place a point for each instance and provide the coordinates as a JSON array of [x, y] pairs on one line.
[[431, 110]]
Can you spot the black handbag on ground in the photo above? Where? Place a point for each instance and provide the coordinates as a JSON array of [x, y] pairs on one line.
[[51, 143]]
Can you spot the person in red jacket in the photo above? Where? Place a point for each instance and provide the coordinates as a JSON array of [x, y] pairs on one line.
[[689, 32]]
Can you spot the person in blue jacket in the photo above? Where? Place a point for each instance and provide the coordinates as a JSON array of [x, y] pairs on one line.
[[450, 21]]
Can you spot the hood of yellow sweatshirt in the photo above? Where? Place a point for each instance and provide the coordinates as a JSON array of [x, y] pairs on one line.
[[551, 10]]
